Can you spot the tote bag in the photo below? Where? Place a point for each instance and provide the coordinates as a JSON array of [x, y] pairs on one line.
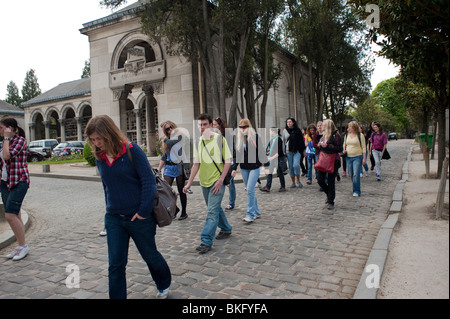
[[325, 162]]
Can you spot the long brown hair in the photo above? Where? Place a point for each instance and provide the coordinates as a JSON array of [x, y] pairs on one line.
[[105, 127]]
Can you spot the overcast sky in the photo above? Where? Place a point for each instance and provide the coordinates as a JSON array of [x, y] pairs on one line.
[[44, 35]]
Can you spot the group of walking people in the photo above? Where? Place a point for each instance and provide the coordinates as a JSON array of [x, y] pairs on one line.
[[130, 187]]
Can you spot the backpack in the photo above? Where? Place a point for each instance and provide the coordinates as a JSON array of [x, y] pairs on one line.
[[165, 202]]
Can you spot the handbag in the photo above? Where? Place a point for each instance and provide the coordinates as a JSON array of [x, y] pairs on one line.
[[386, 155], [165, 201], [283, 165], [325, 162], [227, 179]]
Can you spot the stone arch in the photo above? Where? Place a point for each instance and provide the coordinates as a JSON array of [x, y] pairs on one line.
[[37, 127], [153, 51], [52, 125], [69, 121], [84, 115]]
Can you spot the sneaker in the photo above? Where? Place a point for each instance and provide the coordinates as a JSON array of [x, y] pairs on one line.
[[264, 189], [223, 235], [355, 195], [162, 294], [282, 189], [300, 185], [22, 252], [378, 177], [338, 177], [361, 175], [308, 182], [257, 216], [366, 174], [330, 206], [293, 185], [103, 232], [248, 219], [344, 174], [13, 253], [229, 207], [202, 249]]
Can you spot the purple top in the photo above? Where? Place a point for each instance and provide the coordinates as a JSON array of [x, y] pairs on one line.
[[378, 141]]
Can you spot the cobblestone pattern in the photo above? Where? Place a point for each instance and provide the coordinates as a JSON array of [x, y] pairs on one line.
[[298, 249]]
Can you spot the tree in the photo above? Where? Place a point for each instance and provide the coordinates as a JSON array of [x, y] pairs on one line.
[[12, 94], [388, 95], [323, 31], [30, 88], [416, 37], [86, 70]]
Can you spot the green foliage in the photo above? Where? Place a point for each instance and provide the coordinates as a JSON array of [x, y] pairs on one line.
[[12, 94], [30, 88], [87, 153]]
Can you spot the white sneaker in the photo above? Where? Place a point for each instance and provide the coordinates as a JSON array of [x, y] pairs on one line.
[[162, 294], [355, 195], [22, 252], [103, 232], [248, 219], [13, 253]]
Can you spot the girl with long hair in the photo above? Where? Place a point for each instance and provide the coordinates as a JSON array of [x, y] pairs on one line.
[[15, 181], [130, 189], [294, 145], [330, 143], [355, 149], [249, 154], [377, 147], [173, 159]]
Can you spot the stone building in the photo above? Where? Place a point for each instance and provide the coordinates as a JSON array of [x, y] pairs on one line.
[[139, 85]]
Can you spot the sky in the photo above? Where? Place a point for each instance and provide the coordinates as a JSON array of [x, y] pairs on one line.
[[44, 35]]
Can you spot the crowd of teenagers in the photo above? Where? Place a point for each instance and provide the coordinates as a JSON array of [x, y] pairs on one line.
[[129, 183]]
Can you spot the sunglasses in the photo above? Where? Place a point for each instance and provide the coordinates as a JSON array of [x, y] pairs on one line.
[[243, 126], [168, 129]]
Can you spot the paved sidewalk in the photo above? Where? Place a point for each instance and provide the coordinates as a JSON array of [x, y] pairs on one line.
[[298, 249]]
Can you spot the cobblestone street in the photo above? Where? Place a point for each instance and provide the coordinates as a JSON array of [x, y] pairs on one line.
[[297, 249]]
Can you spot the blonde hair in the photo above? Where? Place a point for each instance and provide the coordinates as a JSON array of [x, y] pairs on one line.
[[240, 136], [165, 148], [354, 126], [105, 127], [329, 129]]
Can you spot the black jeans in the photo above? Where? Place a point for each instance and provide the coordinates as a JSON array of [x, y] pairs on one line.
[[327, 182], [279, 174]]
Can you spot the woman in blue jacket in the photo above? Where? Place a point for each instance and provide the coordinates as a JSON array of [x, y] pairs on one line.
[[130, 188]]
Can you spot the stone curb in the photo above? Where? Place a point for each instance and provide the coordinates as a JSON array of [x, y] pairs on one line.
[[7, 237], [371, 277]]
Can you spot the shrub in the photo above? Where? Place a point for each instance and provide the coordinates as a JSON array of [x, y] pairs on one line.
[[88, 156]]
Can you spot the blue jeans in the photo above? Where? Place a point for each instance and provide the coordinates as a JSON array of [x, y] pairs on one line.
[[250, 178], [311, 159], [232, 190], [215, 216], [119, 229], [354, 164], [294, 163]]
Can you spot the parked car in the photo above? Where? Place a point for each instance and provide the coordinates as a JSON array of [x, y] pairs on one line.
[[67, 148], [33, 156], [393, 136], [44, 147]]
